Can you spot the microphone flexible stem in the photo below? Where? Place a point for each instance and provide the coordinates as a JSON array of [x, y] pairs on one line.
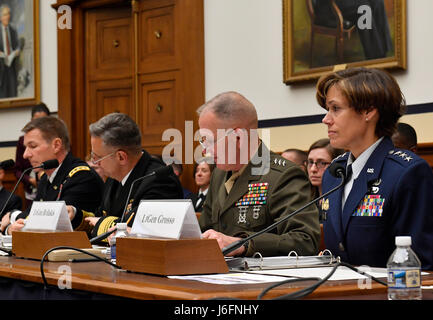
[[240, 242]]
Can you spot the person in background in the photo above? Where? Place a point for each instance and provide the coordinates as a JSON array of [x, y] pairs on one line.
[[320, 156], [405, 137], [297, 156], [251, 186], [30, 179], [178, 170], [202, 173], [72, 181], [388, 191], [15, 202]]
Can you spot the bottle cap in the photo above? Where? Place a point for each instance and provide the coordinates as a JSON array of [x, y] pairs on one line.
[[403, 241], [121, 226]]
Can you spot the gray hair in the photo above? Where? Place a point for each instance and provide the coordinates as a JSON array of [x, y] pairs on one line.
[[117, 130], [231, 107]]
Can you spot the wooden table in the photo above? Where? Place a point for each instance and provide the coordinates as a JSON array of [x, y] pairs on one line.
[[102, 278]]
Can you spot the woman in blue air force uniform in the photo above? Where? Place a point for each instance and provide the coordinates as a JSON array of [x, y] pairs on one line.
[[388, 191]]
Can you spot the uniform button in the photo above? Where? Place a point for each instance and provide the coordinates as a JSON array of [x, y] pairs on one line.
[[340, 247]]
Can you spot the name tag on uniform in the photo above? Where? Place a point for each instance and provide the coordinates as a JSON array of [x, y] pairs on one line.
[[170, 219], [48, 216]]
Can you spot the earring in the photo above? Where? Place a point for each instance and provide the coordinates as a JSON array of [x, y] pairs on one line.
[[366, 119]]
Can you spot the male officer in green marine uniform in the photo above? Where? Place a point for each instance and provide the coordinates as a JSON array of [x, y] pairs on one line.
[[72, 181], [252, 187]]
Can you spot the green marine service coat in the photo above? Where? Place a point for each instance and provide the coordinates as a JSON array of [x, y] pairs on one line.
[[256, 201]]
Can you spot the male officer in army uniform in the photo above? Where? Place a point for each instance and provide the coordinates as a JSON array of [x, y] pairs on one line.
[[252, 187], [72, 181]]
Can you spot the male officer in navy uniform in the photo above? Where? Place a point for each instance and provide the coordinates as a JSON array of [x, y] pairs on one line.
[[116, 148], [72, 181], [392, 196], [252, 187]]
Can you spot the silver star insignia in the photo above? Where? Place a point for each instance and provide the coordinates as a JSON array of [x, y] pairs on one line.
[[408, 158]]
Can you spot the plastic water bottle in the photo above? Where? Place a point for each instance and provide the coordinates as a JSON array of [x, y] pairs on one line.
[[404, 272], [120, 233]]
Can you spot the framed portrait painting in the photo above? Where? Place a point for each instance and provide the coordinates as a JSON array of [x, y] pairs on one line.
[[321, 36], [19, 53]]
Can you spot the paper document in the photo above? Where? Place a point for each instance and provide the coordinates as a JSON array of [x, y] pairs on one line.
[[342, 273], [232, 278]]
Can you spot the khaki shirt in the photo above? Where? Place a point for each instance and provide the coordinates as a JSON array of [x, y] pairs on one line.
[[257, 201]]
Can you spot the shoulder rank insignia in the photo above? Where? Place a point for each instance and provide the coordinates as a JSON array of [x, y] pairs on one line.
[[280, 162], [401, 154], [77, 169], [340, 156]]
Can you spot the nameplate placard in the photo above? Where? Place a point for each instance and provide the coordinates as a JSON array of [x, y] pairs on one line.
[[171, 219], [48, 216]]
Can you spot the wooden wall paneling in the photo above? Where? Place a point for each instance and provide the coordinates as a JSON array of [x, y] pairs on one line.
[[163, 60], [108, 36], [78, 128], [159, 106], [425, 151], [157, 39], [190, 44], [105, 97]]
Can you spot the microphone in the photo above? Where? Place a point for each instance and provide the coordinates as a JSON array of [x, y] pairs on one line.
[[154, 174], [335, 169], [6, 164], [49, 164]]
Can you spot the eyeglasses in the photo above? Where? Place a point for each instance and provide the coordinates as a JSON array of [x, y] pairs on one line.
[[96, 159], [205, 144], [319, 164]]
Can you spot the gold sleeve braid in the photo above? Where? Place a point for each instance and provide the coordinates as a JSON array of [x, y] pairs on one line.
[[106, 224], [85, 226]]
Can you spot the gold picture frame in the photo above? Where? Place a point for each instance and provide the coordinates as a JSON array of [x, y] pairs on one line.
[[19, 54], [316, 43]]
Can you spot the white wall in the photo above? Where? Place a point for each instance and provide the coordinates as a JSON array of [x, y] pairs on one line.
[[243, 41], [13, 120]]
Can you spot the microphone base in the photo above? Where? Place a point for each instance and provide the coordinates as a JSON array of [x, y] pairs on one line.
[[170, 257]]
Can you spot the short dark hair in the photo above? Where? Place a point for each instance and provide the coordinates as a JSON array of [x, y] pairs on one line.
[[51, 128], [302, 155], [41, 107], [408, 133], [365, 89], [325, 144], [118, 130]]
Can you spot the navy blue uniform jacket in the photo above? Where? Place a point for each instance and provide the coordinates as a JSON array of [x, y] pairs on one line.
[[395, 188]]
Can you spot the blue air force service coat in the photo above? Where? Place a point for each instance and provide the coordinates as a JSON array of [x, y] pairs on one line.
[[392, 196]]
